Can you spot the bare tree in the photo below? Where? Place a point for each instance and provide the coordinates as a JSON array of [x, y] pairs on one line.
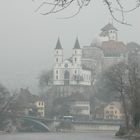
[[114, 7], [117, 76], [45, 79], [133, 90], [6, 112]]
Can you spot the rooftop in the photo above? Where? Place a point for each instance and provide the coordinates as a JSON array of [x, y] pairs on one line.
[[58, 45], [77, 45], [108, 27]]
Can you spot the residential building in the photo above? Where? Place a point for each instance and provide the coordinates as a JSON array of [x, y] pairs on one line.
[[113, 111], [80, 109], [40, 106]]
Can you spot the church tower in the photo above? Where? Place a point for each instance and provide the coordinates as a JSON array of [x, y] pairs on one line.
[[77, 54], [58, 53], [109, 32], [58, 63]]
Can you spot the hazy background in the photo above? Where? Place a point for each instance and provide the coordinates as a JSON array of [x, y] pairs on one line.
[[27, 39]]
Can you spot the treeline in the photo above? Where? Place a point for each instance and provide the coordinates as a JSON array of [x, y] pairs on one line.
[[122, 82]]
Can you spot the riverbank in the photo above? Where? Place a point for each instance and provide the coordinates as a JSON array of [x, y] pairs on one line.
[[133, 134], [60, 136]]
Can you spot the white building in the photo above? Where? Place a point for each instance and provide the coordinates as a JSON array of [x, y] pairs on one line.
[[81, 108], [113, 111], [40, 106], [70, 71]]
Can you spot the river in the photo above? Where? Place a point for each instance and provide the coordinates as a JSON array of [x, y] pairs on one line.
[[60, 136]]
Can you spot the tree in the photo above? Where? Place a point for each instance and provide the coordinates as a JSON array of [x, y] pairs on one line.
[[45, 81], [117, 76], [46, 78], [4, 99], [6, 112], [115, 7], [125, 78], [133, 90]]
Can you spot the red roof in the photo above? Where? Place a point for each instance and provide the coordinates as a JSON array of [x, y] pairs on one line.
[[113, 48]]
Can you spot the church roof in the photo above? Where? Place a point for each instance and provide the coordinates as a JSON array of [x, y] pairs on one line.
[[77, 45], [108, 27], [58, 45], [113, 48]]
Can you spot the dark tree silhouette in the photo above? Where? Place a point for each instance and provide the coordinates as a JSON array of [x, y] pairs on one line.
[[114, 7]]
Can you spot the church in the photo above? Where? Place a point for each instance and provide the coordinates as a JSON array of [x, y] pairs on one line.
[[70, 71]]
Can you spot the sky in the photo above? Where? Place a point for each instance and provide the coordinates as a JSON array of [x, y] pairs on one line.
[[28, 39]]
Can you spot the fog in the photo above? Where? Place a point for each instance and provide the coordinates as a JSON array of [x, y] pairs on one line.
[[27, 39]]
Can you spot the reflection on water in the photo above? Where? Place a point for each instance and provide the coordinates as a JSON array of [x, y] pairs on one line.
[[60, 136]]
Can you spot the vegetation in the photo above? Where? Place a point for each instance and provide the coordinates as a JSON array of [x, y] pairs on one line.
[[7, 112], [125, 79], [117, 8]]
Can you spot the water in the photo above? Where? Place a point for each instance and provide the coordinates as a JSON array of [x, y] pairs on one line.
[[60, 136]]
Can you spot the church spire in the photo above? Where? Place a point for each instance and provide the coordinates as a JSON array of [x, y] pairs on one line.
[[77, 45], [58, 45]]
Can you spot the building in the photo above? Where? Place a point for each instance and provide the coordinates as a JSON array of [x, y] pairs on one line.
[[70, 71], [30, 104], [90, 61], [99, 112], [40, 106], [104, 51], [113, 111], [80, 110]]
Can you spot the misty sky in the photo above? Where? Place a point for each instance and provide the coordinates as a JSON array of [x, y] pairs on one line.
[[27, 39]]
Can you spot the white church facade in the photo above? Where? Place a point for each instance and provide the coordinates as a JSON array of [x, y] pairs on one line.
[[70, 71]]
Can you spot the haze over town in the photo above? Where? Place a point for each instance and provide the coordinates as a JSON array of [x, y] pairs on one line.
[[28, 38]]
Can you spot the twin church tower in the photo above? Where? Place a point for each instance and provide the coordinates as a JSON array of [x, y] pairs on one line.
[[70, 71]]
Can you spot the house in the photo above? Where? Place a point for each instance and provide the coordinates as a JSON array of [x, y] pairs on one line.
[[40, 106], [29, 104], [113, 111], [80, 110]]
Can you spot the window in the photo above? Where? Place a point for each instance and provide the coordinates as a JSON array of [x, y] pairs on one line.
[[111, 107], [107, 112], [56, 71], [75, 71], [56, 59], [75, 59], [56, 77], [66, 65]]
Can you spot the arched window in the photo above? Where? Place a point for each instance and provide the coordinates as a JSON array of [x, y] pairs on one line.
[[56, 71], [56, 77], [66, 77]]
